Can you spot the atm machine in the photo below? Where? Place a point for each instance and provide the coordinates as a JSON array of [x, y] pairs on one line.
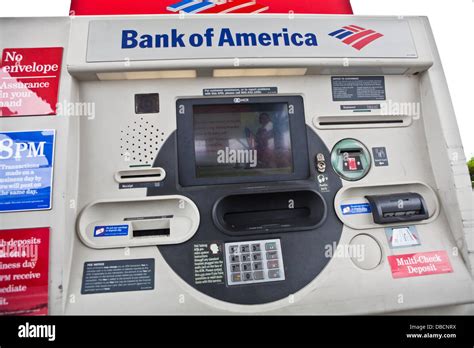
[[272, 164]]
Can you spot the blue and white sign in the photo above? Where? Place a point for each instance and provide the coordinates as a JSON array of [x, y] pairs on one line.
[[26, 170], [111, 231], [357, 208], [199, 37]]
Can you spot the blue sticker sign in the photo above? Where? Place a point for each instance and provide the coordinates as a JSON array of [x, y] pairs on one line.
[[357, 208], [111, 231], [26, 170]]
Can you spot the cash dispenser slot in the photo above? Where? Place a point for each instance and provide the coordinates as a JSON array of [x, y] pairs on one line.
[[398, 207], [269, 212]]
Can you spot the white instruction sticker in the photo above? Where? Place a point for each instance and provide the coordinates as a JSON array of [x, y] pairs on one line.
[[399, 237]]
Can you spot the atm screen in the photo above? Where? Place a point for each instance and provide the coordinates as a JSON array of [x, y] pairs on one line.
[[239, 140], [231, 141]]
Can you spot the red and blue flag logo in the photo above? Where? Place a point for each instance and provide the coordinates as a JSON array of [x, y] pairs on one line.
[[208, 6], [356, 36]]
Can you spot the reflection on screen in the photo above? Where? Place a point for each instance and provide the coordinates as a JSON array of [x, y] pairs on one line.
[[242, 140]]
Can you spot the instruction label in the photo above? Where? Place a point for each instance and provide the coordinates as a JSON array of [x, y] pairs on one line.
[[355, 88], [419, 264], [118, 276], [26, 170], [357, 208], [135, 185], [111, 231], [323, 182], [208, 263], [239, 91], [402, 237], [360, 107], [29, 81], [380, 156], [24, 269]]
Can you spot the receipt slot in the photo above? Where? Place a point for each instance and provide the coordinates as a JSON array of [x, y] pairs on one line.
[[206, 184]]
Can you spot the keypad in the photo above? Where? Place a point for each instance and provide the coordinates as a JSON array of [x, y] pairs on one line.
[[254, 262]]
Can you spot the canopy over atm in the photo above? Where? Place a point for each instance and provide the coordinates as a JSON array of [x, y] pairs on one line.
[[127, 7]]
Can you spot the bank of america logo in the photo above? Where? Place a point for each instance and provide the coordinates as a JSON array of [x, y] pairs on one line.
[[217, 6], [356, 36]]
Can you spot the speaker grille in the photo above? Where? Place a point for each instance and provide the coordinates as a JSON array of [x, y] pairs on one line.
[[140, 142]]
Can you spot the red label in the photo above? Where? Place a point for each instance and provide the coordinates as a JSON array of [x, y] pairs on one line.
[[124, 7], [29, 81], [24, 266], [420, 264], [352, 164]]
